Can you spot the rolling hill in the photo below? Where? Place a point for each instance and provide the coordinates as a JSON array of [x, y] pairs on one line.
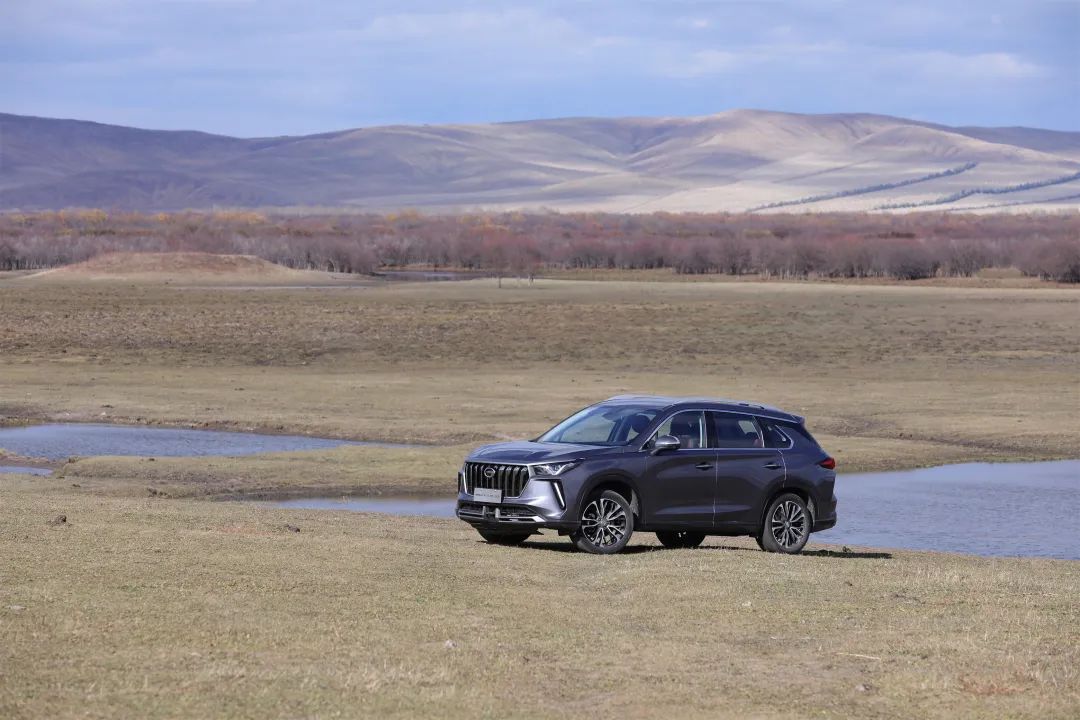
[[732, 161]]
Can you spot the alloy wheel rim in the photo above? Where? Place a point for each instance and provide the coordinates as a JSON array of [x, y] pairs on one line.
[[604, 522], [788, 524]]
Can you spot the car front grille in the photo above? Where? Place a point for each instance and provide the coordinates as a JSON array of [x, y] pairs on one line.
[[511, 479]]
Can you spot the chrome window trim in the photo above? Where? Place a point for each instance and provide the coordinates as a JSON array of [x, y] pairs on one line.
[[752, 416]]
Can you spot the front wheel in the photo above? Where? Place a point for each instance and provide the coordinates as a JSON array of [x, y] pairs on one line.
[[607, 522], [680, 539], [787, 525], [503, 538]]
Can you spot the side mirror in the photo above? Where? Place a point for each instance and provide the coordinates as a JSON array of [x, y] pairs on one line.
[[665, 443]]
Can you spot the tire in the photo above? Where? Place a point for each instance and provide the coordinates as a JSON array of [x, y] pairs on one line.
[[607, 522], [757, 539], [787, 525], [504, 538], [680, 538]]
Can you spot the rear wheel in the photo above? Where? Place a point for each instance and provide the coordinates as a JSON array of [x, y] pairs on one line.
[[680, 538], [607, 522], [787, 525], [503, 538]]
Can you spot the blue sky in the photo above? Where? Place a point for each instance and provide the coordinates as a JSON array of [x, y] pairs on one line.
[[269, 67]]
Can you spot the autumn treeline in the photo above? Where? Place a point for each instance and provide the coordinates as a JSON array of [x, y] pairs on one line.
[[853, 245]]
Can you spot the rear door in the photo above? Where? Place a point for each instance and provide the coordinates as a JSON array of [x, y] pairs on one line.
[[679, 486], [746, 471]]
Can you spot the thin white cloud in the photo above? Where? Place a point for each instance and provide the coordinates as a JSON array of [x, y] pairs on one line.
[[469, 26], [946, 66], [704, 63], [677, 63], [693, 23]]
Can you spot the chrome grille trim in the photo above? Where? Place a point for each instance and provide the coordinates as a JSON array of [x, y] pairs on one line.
[[471, 510], [498, 513], [510, 479]]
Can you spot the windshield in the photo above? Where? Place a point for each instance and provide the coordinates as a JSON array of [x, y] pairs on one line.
[[602, 425]]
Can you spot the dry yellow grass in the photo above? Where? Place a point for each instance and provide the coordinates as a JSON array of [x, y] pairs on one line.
[[177, 608], [145, 606], [342, 471], [889, 376]]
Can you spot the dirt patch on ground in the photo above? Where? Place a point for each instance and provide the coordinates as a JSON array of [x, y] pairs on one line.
[[191, 266]]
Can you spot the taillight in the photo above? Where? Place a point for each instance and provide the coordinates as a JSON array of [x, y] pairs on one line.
[[828, 463]]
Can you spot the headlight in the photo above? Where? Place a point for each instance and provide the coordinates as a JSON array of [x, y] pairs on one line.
[[554, 469]]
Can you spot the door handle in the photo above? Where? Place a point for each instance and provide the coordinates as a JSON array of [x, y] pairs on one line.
[[704, 466], [772, 466]]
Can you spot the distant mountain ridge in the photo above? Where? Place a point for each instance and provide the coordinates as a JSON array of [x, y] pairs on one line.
[[740, 160]]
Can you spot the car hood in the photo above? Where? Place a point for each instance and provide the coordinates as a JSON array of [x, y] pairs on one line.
[[524, 451]]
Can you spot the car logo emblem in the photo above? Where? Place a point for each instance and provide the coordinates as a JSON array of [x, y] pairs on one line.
[[489, 472]]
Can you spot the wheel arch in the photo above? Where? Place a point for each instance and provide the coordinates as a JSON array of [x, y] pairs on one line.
[[620, 483], [794, 489]]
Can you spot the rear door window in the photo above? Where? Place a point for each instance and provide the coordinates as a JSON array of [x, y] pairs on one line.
[[736, 431]]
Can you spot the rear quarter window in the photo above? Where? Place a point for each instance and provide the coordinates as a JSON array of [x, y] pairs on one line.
[[773, 436], [799, 434], [784, 435]]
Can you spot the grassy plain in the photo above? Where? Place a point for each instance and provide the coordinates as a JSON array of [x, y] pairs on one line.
[[152, 606], [889, 376], [182, 608]]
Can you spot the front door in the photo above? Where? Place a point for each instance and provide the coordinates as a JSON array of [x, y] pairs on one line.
[[745, 471], [679, 486]]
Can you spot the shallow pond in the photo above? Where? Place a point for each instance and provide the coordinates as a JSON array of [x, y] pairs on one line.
[[63, 440], [24, 470], [999, 509], [1006, 509]]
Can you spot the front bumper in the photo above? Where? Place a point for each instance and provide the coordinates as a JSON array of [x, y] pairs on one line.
[[538, 506]]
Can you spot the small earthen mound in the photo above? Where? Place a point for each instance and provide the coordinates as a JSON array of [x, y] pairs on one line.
[[187, 266]]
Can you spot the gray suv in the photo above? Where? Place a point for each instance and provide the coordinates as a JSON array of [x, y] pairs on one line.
[[682, 468]]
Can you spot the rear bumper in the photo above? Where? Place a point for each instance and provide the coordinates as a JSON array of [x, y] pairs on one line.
[[826, 516]]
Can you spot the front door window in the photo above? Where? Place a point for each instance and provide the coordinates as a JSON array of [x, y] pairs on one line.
[[689, 427]]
